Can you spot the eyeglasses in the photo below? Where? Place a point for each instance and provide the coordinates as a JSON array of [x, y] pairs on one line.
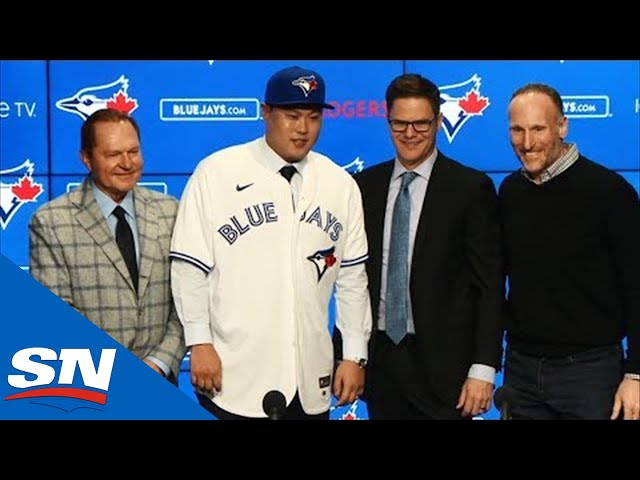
[[421, 126]]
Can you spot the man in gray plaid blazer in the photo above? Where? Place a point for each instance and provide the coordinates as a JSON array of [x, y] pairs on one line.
[[74, 250]]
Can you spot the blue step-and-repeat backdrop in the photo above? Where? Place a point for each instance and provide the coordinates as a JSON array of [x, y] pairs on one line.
[[188, 109]]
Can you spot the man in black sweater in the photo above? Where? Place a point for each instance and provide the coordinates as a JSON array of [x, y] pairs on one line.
[[572, 245]]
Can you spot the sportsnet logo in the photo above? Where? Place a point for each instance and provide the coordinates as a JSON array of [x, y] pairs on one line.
[[55, 364], [15, 194], [459, 103], [88, 100], [37, 382]]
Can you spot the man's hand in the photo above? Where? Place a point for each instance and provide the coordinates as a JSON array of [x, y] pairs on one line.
[[206, 368], [627, 400], [348, 383], [475, 397]]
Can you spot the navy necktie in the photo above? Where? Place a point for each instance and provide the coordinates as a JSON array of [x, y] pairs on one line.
[[288, 172], [124, 239], [397, 268]]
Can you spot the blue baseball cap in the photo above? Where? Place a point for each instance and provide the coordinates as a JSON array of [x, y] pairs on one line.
[[296, 86]]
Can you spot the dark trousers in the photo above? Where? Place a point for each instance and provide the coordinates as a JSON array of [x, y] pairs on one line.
[[398, 389], [579, 386], [294, 411]]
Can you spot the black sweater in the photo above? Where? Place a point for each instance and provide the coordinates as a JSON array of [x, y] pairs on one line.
[[572, 248]]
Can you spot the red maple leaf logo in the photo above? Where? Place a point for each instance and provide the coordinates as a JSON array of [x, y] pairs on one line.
[[473, 104], [26, 190], [122, 102], [330, 260], [349, 416]]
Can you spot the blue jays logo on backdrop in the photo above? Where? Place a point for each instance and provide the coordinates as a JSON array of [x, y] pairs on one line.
[[356, 166], [14, 195], [50, 380], [459, 103], [353, 411], [91, 99]]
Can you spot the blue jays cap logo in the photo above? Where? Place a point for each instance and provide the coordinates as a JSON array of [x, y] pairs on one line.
[[281, 88], [323, 260], [89, 100], [459, 103], [307, 84], [15, 194]]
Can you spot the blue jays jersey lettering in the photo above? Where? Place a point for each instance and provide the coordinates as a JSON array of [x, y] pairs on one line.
[[252, 216], [272, 270], [326, 221]]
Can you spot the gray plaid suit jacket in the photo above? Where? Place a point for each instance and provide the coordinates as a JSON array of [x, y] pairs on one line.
[[74, 255]]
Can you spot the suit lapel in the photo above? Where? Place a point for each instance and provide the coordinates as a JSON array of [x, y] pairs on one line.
[[375, 205], [435, 190], [378, 201], [91, 219], [148, 235]]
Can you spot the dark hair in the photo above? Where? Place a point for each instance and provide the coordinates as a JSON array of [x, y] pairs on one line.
[[544, 89], [88, 131], [413, 85]]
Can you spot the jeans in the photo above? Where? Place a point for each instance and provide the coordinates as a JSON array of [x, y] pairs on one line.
[[578, 386]]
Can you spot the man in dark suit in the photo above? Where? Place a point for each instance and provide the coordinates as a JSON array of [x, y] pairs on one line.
[[435, 272]]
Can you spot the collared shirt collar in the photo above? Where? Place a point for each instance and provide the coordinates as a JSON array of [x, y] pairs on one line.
[[424, 169], [274, 162], [106, 203], [567, 159]]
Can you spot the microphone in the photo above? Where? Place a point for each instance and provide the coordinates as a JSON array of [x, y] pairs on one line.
[[503, 398], [274, 405]]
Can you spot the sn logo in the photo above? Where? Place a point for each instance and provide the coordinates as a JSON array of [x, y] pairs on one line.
[[42, 375]]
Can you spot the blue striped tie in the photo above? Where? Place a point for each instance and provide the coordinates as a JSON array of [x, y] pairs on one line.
[[397, 269]]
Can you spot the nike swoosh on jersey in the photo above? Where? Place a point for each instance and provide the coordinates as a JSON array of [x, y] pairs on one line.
[[239, 187]]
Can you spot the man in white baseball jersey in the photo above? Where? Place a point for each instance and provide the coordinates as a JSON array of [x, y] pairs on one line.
[[265, 231]]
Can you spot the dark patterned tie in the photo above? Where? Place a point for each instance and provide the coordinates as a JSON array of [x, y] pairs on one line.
[[398, 269], [124, 239]]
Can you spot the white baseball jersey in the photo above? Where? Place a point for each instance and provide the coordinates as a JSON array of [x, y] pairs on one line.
[[271, 273]]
